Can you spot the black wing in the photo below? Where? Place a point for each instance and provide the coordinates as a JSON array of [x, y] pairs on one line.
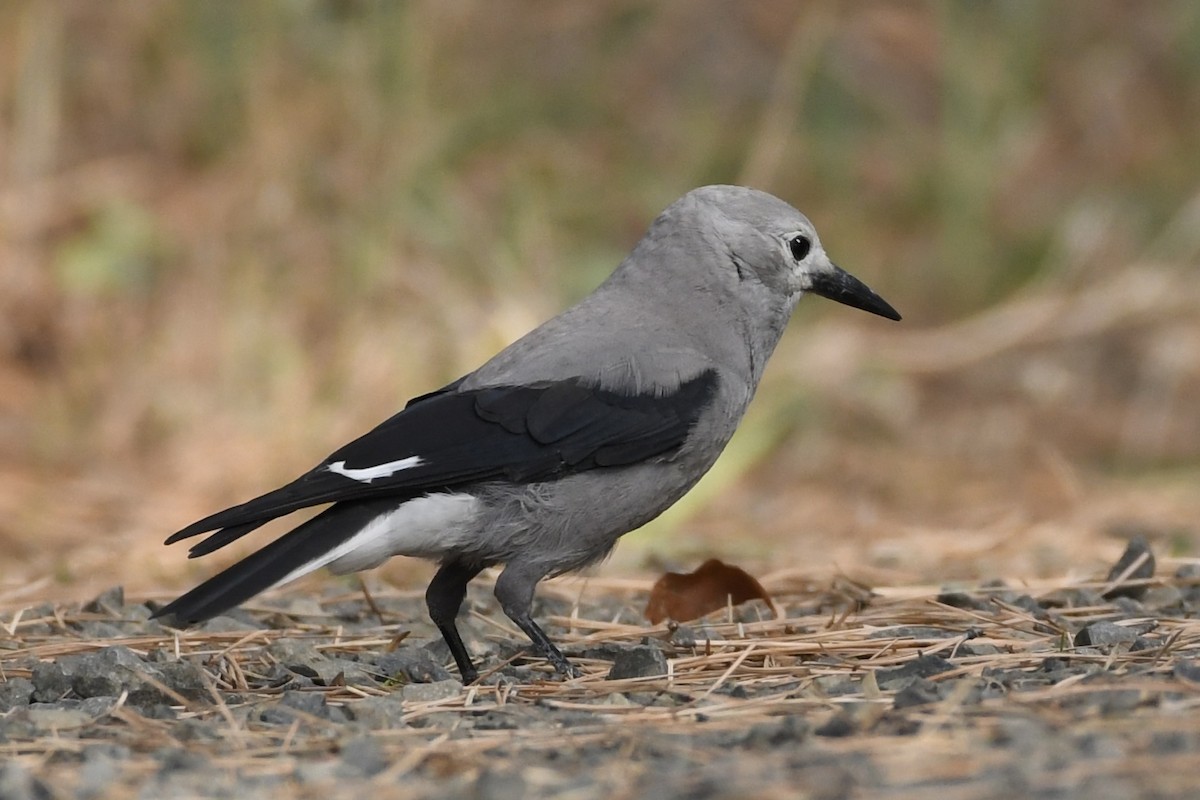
[[450, 438]]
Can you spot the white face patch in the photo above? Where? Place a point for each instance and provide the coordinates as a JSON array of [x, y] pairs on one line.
[[368, 474], [426, 527]]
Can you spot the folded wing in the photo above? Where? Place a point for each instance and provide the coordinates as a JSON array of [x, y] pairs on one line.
[[450, 438]]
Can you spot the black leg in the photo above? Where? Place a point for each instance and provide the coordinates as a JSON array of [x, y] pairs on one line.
[[444, 598], [514, 590]]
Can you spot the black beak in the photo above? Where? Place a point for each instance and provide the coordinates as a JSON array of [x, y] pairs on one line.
[[837, 284]]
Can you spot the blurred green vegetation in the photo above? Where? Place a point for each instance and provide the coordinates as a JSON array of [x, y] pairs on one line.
[[233, 234]]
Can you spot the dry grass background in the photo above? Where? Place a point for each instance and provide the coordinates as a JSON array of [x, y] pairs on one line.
[[233, 236]]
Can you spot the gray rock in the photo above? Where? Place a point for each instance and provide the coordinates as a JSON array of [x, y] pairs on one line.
[[316, 772], [94, 707], [139, 613], [1188, 670], [575, 719], [641, 661], [50, 682], [1128, 607], [767, 735], [41, 718], [101, 767], [920, 667], [1120, 702], [302, 658], [957, 599], [293, 653], [1162, 597], [755, 610], [1105, 634], [919, 692], [18, 784], [1189, 574], [43, 612], [308, 702], [113, 670], [336, 714], [1172, 742], [347, 672], [186, 678], [105, 672], [1138, 548], [176, 759], [295, 705], [378, 713], [499, 784], [411, 664], [202, 730], [1071, 597], [605, 651], [15, 692], [281, 677], [363, 756], [1029, 604], [838, 726], [228, 623], [99, 630], [836, 685], [497, 720], [684, 636], [158, 711], [428, 692], [110, 601], [964, 650]]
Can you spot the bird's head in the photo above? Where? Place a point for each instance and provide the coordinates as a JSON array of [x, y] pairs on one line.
[[772, 250]]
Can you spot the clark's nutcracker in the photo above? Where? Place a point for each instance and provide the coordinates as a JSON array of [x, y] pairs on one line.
[[586, 428]]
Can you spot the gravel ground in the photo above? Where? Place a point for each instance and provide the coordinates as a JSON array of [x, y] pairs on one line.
[[1048, 691]]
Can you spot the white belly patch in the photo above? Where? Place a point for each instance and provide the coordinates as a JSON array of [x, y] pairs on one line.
[[426, 527]]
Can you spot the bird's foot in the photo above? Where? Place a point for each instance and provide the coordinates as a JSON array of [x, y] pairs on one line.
[[546, 648], [562, 666]]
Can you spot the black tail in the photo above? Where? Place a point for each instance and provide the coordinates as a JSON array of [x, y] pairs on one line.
[[265, 568], [241, 519]]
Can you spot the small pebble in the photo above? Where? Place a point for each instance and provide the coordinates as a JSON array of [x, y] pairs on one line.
[[429, 692], [411, 664], [378, 713], [641, 661], [1104, 634], [363, 755], [111, 601], [921, 667], [918, 693], [14, 693], [1138, 548], [840, 725]]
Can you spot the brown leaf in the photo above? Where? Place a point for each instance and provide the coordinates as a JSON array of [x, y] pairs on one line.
[[691, 595]]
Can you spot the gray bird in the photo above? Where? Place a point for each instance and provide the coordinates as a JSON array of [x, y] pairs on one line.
[[586, 428]]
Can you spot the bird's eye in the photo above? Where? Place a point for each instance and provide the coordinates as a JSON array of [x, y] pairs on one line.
[[800, 246]]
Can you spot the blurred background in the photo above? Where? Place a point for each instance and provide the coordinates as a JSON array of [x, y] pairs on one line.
[[235, 235]]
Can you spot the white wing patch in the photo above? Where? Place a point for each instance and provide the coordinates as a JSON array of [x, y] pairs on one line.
[[425, 527], [368, 474]]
